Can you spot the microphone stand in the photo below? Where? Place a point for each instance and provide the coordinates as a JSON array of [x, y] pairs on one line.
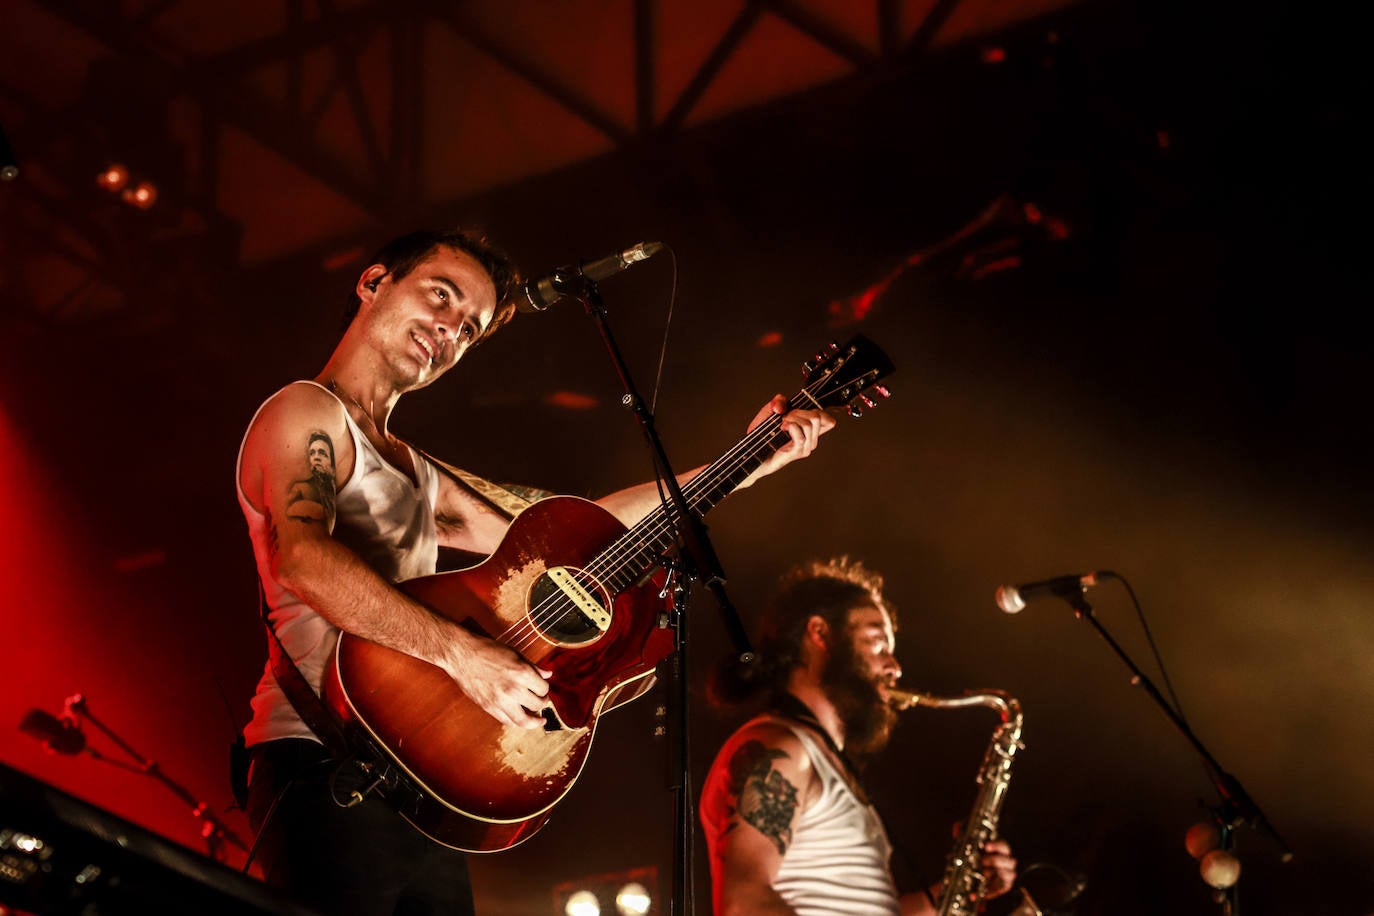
[[212, 829], [697, 561], [1237, 807]]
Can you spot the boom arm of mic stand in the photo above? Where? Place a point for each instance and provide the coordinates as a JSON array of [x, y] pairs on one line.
[[1229, 787], [213, 829]]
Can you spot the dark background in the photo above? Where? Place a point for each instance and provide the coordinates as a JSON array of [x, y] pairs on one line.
[[1164, 375]]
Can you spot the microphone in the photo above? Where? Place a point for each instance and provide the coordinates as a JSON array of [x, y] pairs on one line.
[[61, 736], [1014, 598], [538, 295]]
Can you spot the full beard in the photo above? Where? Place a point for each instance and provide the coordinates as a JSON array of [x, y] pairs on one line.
[[867, 719]]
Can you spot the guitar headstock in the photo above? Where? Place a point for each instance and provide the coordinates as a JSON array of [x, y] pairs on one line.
[[847, 375]]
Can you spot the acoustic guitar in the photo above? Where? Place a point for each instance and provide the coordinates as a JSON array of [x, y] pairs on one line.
[[575, 592]]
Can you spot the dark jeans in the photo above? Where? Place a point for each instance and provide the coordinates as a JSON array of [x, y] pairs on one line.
[[359, 861]]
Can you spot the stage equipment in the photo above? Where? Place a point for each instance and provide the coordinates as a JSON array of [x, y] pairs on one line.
[[537, 295], [114, 178], [961, 891], [63, 735], [60, 856], [1014, 598], [624, 893], [1219, 867]]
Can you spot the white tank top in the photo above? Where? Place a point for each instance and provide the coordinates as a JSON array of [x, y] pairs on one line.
[[381, 516], [837, 862]]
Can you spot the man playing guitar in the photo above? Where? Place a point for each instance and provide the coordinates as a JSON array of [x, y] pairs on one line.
[[339, 510]]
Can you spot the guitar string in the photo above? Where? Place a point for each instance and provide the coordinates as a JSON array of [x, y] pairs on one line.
[[650, 530], [605, 564]]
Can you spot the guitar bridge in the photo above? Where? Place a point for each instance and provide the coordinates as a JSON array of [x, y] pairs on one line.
[[583, 600]]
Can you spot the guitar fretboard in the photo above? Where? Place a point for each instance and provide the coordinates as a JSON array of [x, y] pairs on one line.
[[627, 559]]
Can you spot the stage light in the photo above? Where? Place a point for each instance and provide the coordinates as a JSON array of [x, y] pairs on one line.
[[142, 195], [1220, 869], [1202, 838], [631, 892], [114, 178], [633, 900], [582, 903]]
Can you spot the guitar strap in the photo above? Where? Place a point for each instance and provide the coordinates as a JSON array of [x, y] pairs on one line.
[[787, 706], [507, 500], [301, 695]]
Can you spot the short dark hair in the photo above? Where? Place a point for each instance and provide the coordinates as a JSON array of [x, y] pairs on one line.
[[404, 253], [829, 589], [323, 437]]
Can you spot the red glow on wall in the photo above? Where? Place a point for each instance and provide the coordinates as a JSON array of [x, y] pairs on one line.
[[771, 339], [571, 400], [66, 630], [853, 309], [342, 258]]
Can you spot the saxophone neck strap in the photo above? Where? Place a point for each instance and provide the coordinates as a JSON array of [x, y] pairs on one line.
[[787, 706]]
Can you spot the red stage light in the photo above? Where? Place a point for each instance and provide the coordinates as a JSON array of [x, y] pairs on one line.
[[343, 258], [570, 400], [143, 195], [771, 339], [993, 55], [114, 178]]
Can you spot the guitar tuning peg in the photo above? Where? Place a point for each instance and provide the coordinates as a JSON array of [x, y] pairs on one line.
[[868, 402], [856, 411], [882, 391], [832, 348], [808, 367]]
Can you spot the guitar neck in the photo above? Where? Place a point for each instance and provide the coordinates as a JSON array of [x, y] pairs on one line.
[[626, 560]]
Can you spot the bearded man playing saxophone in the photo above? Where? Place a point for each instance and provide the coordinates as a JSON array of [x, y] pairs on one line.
[[787, 823]]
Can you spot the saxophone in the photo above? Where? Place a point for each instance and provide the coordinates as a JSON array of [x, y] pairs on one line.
[[961, 892]]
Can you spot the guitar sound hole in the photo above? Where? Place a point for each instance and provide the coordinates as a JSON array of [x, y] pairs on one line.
[[557, 615]]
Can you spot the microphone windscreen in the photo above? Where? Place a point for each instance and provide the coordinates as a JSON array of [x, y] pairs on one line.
[[1009, 599], [56, 734]]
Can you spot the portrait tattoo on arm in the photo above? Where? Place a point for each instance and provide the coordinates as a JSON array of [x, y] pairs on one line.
[[273, 539], [311, 499], [763, 797]]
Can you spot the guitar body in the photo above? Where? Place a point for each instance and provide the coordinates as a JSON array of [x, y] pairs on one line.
[[469, 781]]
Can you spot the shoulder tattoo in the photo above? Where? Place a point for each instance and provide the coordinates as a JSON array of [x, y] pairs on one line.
[[762, 797], [311, 498]]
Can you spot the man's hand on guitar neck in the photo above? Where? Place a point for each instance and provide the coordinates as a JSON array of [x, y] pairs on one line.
[[804, 426], [498, 679]]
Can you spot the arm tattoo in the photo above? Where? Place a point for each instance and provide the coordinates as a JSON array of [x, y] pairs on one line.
[[272, 539], [762, 796], [311, 499]]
